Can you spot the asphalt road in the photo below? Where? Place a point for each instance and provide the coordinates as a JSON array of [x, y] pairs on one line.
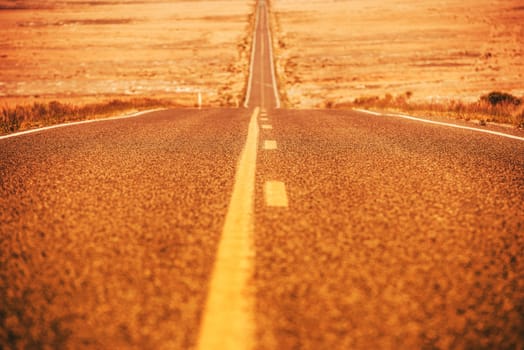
[[109, 229], [398, 235], [361, 231]]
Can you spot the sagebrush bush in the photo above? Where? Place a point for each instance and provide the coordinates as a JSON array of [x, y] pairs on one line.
[[497, 98], [14, 118]]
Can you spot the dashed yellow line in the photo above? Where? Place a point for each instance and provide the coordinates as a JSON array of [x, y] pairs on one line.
[[275, 194], [267, 127], [270, 145]]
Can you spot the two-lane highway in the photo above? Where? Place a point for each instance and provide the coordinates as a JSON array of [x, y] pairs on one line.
[[262, 87], [261, 228]]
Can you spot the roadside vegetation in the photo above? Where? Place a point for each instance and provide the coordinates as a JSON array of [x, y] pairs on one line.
[[498, 107], [22, 117]]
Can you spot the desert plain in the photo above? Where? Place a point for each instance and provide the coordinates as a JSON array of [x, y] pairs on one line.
[[326, 53], [332, 52], [79, 52]]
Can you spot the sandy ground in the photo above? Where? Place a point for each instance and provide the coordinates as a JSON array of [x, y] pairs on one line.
[[85, 51], [335, 51]]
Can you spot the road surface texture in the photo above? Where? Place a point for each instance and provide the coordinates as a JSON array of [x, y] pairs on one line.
[[108, 230], [261, 228], [398, 235]]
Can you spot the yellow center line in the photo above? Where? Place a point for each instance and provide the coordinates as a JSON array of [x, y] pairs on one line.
[[228, 315]]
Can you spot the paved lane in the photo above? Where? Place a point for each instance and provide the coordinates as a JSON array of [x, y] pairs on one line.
[[398, 235], [229, 316], [109, 230], [181, 229], [262, 90]]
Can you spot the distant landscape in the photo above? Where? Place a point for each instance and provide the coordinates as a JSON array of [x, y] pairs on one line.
[[437, 57], [93, 52], [103, 57]]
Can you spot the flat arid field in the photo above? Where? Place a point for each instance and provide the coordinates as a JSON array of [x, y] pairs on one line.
[[88, 51], [332, 52]]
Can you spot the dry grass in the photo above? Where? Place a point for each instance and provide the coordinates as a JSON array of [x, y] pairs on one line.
[[486, 109], [73, 60], [38, 114], [96, 50]]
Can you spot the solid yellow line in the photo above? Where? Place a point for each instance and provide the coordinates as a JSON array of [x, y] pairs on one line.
[[275, 194], [270, 144], [228, 316]]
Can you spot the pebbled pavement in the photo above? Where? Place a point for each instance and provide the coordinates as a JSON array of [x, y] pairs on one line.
[[108, 230], [398, 235]]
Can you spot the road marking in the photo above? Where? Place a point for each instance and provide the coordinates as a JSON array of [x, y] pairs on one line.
[[270, 145], [275, 194], [366, 111], [80, 123], [275, 90], [261, 59], [404, 116], [267, 127], [252, 63], [228, 315], [264, 119]]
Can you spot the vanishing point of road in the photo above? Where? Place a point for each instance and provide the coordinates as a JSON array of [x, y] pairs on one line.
[[262, 228]]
